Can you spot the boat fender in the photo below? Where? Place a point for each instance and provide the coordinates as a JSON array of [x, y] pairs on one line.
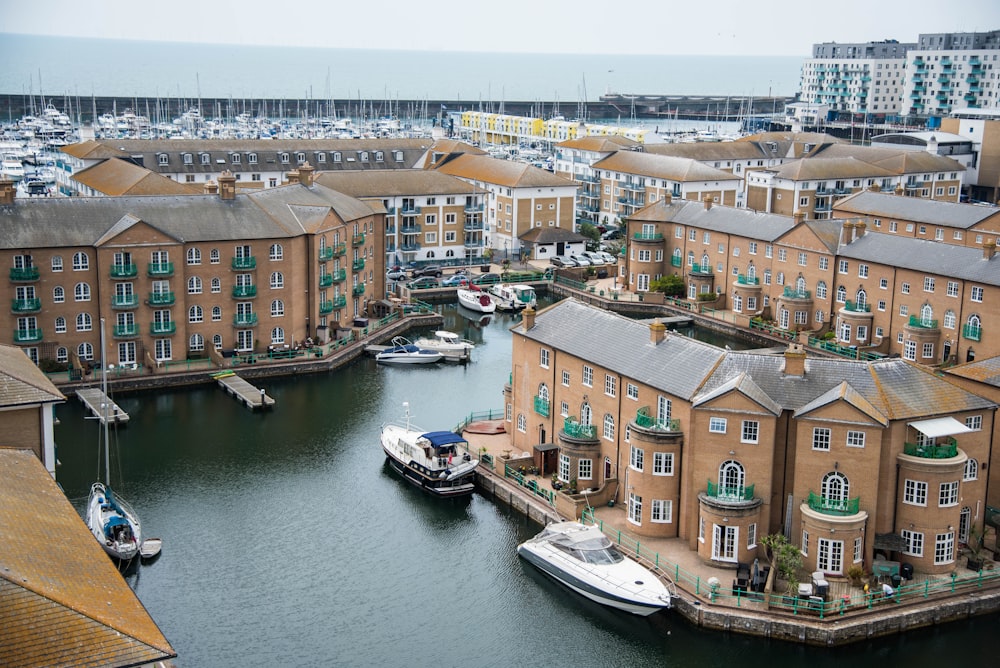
[[108, 543]]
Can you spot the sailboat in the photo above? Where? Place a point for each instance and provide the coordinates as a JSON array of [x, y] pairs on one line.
[[114, 522]]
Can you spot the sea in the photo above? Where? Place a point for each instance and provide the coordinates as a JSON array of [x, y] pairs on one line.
[[58, 68]]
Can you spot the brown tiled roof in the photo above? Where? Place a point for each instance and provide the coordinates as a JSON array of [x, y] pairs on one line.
[[985, 371], [600, 144], [705, 151], [502, 172], [895, 161], [394, 183], [21, 382], [93, 150], [120, 177], [662, 167], [62, 601], [846, 167]]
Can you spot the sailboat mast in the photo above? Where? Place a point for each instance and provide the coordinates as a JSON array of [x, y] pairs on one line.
[[104, 411]]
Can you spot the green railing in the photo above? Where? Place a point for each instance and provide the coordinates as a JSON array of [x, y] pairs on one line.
[[244, 291], [857, 308], [161, 298], [700, 269], [26, 305], [917, 321], [326, 253], [340, 301], [162, 328], [743, 279], [792, 293], [647, 236], [247, 262], [573, 429], [676, 260], [124, 270], [644, 419], [27, 335], [24, 274], [125, 301], [125, 331], [831, 345], [358, 289], [358, 264], [188, 364], [932, 450], [358, 240], [542, 406], [569, 282], [325, 280], [325, 307], [829, 506], [724, 493], [772, 330], [245, 320], [972, 332], [530, 484], [160, 269], [339, 249], [339, 275]]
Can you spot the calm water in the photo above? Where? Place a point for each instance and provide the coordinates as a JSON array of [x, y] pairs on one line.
[[288, 542]]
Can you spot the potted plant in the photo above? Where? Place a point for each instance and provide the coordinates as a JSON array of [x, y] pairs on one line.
[[977, 548], [856, 574]]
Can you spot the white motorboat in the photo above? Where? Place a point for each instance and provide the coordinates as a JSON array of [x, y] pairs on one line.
[[585, 560], [436, 461], [451, 345], [11, 168], [475, 299], [514, 297], [403, 351]]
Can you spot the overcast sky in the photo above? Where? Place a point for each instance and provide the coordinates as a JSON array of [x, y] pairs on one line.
[[722, 27]]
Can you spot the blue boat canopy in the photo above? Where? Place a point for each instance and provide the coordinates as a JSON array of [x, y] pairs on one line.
[[439, 438]]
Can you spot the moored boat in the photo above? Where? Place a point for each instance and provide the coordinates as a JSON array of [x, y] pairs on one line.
[[475, 299], [513, 297], [453, 347], [403, 351], [585, 560], [436, 461]]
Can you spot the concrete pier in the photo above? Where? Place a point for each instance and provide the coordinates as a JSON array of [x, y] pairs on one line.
[[251, 396], [101, 406]]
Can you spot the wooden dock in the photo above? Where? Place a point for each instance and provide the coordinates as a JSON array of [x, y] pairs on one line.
[[252, 397], [101, 406]]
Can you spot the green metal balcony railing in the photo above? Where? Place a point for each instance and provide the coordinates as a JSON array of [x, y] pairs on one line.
[[244, 291], [644, 419], [125, 331], [573, 429], [30, 305], [724, 493], [160, 269], [325, 307], [245, 320], [358, 289], [700, 269], [972, 332], [162, 328], [542, 406], [409, 228], [647, 236], [339, 249], [829, 506], [27, 335], [743, 279], [917, 321], [932, 450], [676, 260], [242, 263], [124, 270], [339, 275], [358, 264], [857, 308], [24, 274], [325, 280], [125, 301], [358, 240], [325, 253], [161, 298], [340, 301]]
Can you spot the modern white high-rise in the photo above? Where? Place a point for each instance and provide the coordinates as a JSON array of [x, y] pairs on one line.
[[952, 71]]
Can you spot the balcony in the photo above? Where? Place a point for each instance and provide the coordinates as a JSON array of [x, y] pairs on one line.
[[27, 335], [409, 228], [325, 307], [245, 320], [676, 260], [244, 263], [125, 331], [325, 280], [30, 305], [921, 323], [857, 308], [358, 289], [339, 276], [409, 247], [647, 421], [119, 271], [473, 225], [340, 301], [473, 208], [325, 253], [24, 274], [358, 265], [972, 332], [163, 328], [573, 429], [743, 493], [932, 451], [244, 291], [791, 293], [358, 240], [743, 279], [160, 269], [125, 301], [827, 506], [161, 298], [339, 249], [542, 406], [409, 210], [700, 269], [647, 236], [914, 185]]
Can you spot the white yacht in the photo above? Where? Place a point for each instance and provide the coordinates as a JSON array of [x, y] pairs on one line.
[[515, 297], [453, 347], [585, 560], [475, 299]]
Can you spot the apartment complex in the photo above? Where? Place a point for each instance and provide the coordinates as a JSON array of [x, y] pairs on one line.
[[866, 78], [180, 277], [721, 448]]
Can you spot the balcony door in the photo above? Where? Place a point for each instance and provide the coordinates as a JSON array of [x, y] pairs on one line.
[[724, 541]]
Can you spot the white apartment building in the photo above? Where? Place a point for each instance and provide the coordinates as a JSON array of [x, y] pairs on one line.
[[864, 78], [940, 82]]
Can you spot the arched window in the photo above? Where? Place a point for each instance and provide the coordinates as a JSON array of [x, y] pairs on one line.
[[62, 355], [677, 256], [971, 469], [821, 290], [81, 261], [926, 315], [84, 323], [430, 255], [196, 343], [213, 256], [60, 325], [277, 308], [194, 286], [449, 253], [277, 280], [732, 478], [973, 328], [861, 298], [705, 262], [58, 294], [835, 489], [277, 335], [217, 341], [196, 314], [543, 392], [193, 256], [800, 284], [322, 244], [216, 313], [276, 252], [841, 294], [609, 427], [85, 351], [57, 264], [81, 292], [586, 415], [751, 271], [216, 285]]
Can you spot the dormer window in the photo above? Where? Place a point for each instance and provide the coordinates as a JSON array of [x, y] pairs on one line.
[[336, 156], [321, 157], [398, 156], [300, 158], [379, 157], [236, 158], [206, 159], [252, 158], [363, 156], [188, 159], [163, 159], [283, 157]]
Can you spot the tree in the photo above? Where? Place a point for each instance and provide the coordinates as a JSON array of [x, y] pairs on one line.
[[593, 235], [671, 285], [786, 559]]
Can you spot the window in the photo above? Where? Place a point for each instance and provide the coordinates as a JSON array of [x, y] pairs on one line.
[[60, 325], [717, 425], [971, 470], [915, 492], [85, 351], [805, 543], [824, 263], [750, 431], [565, 378], [976, 294], [610, 385], [842, 266], [57, 264], [588, 376], [948, 494], [634, 508], [905, 288], [216, 314], [58, 294], [81, 292], [914, 543], [974, 422], [84, 323], [862, 271], [213, 256], [944, 548], [609, 427], [635, 460], [632, 391], [952, 289], [855, 439], [585, 469], [194, 286], [661, 511], [821, 438], [830, 555], [543, 358], [196, 314], [928, 284], [275, 252], [193, 256], [81, 261], [277, 335], [277, 280], [663, 463], [522, 426]]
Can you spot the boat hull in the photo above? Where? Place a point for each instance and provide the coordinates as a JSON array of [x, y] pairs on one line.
[[476, 301], [436, 486], [113, 524]]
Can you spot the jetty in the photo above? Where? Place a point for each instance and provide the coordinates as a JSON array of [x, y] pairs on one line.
[[101, 406], [252, 397]]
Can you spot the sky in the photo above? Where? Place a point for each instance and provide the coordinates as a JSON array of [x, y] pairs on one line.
[[667, 27]]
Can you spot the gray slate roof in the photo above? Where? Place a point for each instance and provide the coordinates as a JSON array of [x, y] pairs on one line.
[[917, 209], [724, 219], [932, 257], [23, 383]]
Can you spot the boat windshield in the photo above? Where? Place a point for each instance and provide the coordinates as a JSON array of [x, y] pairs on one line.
[[598, 551]]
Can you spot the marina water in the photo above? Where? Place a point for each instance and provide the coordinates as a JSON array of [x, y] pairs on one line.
[[289, 542]]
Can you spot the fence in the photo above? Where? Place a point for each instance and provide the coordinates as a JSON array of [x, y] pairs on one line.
[[530, 484]]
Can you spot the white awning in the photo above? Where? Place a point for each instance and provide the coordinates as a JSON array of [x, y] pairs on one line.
[[945, 426]]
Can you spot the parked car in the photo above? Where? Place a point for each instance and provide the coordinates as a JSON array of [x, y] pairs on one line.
[[454, 281], [423, 283], [594, 257], [611, 234], [602, 273], [486, 279], [607, 257], [581, 261], [427, 270], [557, 261], [396, 274]]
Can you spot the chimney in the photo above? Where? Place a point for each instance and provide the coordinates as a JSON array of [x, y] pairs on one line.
[[211, 188], [528, 318], [799, 216], [7, 191], [293, 176], [707, 199], [668, 199], [306, 175], [227, 186], [795, 360], [875, 188], [657, 332], [861, 228], [989, 249]]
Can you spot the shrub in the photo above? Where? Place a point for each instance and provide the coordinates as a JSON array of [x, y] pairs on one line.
[[706, 296]]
